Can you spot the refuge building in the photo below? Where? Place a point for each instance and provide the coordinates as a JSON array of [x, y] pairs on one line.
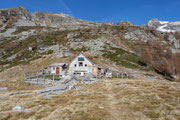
[[80, 65]]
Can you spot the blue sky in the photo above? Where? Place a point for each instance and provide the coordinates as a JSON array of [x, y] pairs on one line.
[[136, 11]]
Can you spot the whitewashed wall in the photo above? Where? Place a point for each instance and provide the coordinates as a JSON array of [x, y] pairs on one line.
[[53, 70], [72, 67]]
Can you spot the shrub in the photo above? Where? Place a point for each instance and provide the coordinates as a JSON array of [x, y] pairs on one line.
[[147, 57]]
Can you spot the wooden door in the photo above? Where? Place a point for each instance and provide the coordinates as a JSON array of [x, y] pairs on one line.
[[57, 70], [95, 70]]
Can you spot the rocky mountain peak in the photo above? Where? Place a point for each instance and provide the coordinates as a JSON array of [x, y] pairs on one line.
[[164, 26], [53, 18], [21, 17], [15, 9], [17, 12], [154, 23]]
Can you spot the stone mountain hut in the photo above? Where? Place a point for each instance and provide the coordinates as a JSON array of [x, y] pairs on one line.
[[80, 65], [57, 68]]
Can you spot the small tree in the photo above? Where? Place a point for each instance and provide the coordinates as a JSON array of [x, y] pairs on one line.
[[169, 54], [147, 57], [166, 66], [177, 35], [159, 49], [157, 60], [177, 63]]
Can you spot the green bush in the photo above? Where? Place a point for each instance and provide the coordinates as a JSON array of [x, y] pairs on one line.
[[122, 57]]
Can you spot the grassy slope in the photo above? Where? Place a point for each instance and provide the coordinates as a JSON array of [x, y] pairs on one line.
[[45, 39], [122, 57], [117, 99]]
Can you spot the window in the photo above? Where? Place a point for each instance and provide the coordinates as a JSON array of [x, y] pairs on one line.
[[85, 65], [74, 65], [80, 64], [80, 59]]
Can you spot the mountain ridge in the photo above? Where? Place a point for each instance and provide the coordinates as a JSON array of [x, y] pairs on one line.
[[25, 37], [40, 18]]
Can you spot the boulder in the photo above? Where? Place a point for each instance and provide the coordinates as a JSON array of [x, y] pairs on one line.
[[125, 23], [18, 108], [55, 89], [12, 57], [3, 88], [67, 53]]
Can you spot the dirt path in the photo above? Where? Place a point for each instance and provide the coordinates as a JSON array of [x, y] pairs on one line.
[[111, 102]]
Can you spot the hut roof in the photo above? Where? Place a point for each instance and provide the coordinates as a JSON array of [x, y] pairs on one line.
[[57, 64]]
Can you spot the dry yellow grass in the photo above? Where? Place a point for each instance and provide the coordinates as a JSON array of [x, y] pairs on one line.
[[17, 73], [108, 99], [13, 78]]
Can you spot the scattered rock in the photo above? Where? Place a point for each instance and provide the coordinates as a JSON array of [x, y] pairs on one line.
[[72, 34], [3, 98], [24, 94], [55, 89], [3, 88], [14, 93], [67, 53], [48, 97], [11, 57], [59, 55], [64, 54], [101, 107], [125, 23], [78, 40], [18, 108], [64, 85], [122, 85], [6, 65], [8, 33], [54, 47], [21, 22], [152, 78]]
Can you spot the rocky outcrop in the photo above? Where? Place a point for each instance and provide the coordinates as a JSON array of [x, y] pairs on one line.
[[154, 23], [18, 12], [125, 23]]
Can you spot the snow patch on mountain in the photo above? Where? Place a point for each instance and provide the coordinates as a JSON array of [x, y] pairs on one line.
[[164, 26], [163, 29], [163, 22], [61, 15], [175, 23]]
